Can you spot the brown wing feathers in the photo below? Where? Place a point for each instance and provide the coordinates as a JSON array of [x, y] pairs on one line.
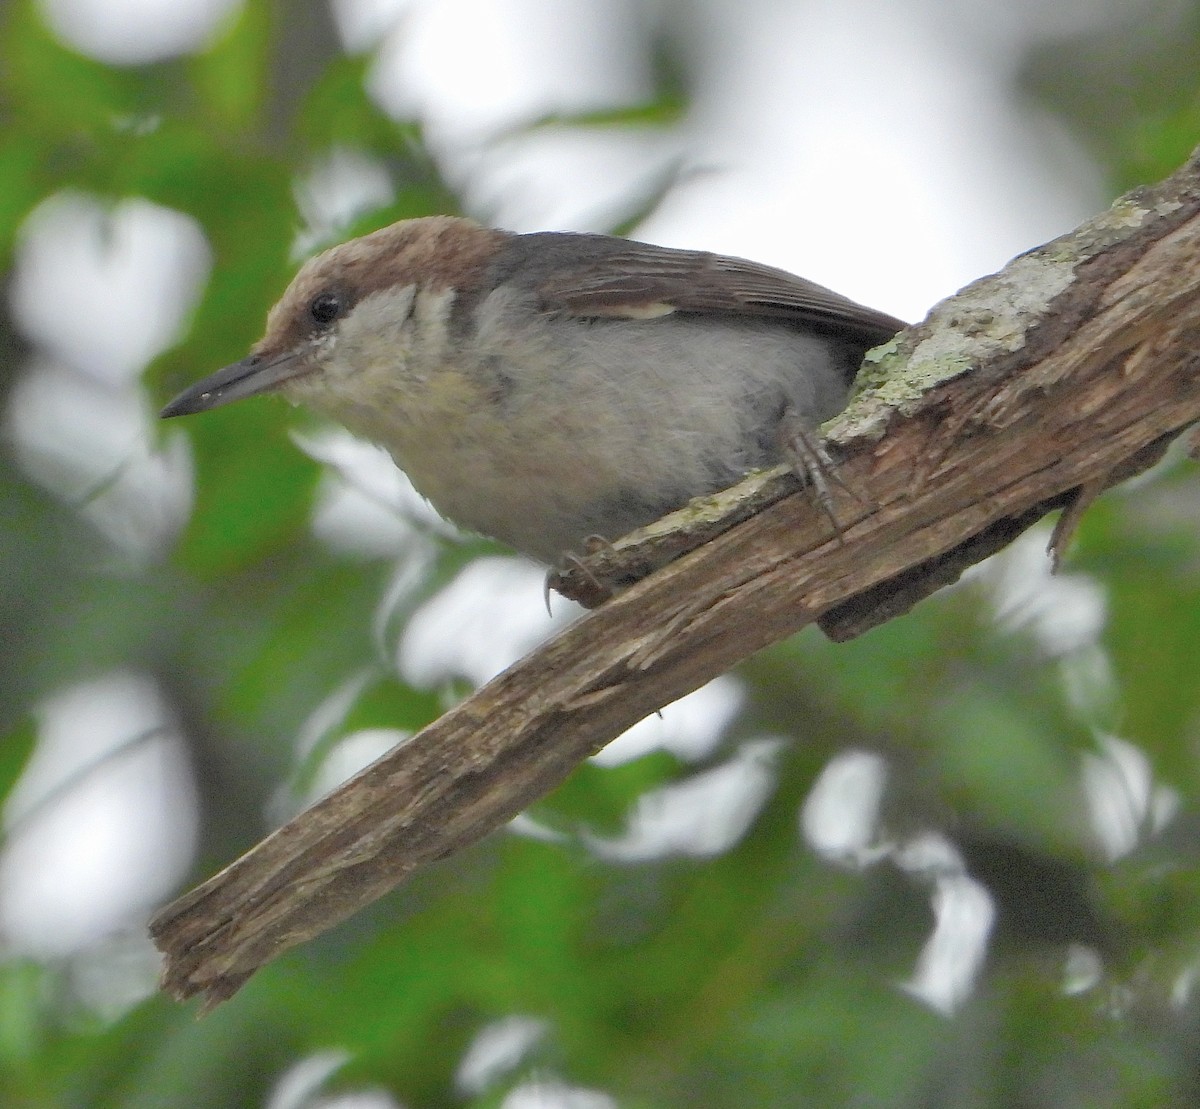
[[596, 275]]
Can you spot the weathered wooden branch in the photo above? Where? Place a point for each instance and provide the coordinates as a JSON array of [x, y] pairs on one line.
[[1033, 389]]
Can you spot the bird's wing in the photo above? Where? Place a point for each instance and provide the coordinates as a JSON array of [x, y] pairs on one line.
[[597, 275]]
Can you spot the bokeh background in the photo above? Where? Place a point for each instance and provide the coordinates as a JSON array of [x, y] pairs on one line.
[[952, 863]]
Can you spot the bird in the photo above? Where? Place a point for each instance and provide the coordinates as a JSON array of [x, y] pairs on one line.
[[548, 388]]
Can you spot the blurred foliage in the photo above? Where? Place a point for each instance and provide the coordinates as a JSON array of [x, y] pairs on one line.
[[1128, 89], [759, 976]]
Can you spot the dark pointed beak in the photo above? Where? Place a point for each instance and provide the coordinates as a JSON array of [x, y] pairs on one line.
[[246, 378]]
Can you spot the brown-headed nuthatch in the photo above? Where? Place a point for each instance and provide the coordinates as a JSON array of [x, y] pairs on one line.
[[546, 388]]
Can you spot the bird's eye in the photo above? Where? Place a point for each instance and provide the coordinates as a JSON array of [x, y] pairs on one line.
[[325, 308]]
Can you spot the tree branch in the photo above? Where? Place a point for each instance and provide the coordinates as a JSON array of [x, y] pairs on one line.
[[1035, 388]]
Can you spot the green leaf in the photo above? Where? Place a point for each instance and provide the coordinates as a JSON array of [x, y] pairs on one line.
[[16, 749]]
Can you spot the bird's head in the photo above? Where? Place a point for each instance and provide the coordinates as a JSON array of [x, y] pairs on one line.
[[351, 318]]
